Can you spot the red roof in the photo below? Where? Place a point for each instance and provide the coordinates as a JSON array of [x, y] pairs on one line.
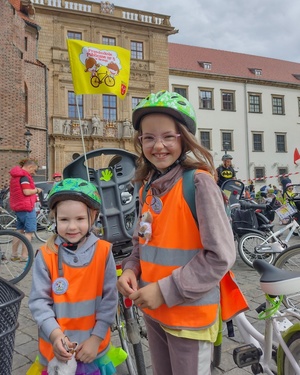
[[232, 64]]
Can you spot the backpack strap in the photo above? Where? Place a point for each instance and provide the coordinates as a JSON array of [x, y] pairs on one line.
[[188, 185]]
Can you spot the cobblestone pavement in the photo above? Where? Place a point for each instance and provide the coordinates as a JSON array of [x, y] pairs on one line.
[[26, 335]]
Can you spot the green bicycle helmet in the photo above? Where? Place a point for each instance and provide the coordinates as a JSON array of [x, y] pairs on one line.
[[170, 103], [75, 189]]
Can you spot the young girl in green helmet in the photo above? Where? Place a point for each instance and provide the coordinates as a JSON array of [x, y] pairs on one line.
[[174, 276], [74, 297]]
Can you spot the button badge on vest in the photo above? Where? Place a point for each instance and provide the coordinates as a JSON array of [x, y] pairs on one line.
[[60, 285]]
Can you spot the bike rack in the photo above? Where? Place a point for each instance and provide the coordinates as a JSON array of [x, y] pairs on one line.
[[119, 195]]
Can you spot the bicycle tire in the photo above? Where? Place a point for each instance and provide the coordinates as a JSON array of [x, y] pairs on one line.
[[95, 81], [293, 344], [135, 357], [289, 260], [246, 249], [45, 228], [109, 81], [14, 271], [8, 221]]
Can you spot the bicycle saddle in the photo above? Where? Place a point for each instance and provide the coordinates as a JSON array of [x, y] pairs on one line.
[[275, 281]]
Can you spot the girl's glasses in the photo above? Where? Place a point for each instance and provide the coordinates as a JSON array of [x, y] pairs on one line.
[[167, 140]]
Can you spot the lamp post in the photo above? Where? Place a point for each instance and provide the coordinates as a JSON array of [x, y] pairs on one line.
[[28, 137]]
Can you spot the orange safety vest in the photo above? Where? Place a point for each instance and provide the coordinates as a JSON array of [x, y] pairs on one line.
[[173, 244], [75, 309]]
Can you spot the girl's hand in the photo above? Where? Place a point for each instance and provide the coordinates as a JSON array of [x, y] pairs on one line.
[[127, 283], [149, 297], [88, 349]]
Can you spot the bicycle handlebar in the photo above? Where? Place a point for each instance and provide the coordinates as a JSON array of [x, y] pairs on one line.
[[254, 206]]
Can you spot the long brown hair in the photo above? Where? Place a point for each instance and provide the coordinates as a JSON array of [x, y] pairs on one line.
[[200, 157]]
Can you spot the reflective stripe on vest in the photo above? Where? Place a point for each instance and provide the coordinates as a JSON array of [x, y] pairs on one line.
[[75, 309], [173, 244]]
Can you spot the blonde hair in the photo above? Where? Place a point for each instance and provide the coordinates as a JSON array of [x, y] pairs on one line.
[[202, 157]]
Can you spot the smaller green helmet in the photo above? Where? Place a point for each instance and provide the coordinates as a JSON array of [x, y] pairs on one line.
[[75, 189], [170, 103]]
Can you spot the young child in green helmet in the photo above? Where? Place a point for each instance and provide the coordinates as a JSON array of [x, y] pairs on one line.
[[74, 297], [174, 276]]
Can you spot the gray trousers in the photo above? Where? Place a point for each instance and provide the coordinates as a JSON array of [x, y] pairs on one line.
[[171, 355]]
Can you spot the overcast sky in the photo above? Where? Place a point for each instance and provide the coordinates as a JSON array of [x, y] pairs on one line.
[[269, 28]]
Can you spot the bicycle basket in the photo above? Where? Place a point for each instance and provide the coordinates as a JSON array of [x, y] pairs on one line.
[[10, 301]]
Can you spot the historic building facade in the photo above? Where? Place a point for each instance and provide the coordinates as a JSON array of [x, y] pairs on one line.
[[23, 96], [105, 118]]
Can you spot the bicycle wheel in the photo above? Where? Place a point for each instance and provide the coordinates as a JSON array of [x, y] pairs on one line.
[[8, 221], [45, 228], [16, 270], [289, 259], [95, 81], [109, 81], [247, 249], [293, 344], [129, 325]]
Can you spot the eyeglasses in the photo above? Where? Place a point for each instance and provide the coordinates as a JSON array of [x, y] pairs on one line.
[[167, 140]]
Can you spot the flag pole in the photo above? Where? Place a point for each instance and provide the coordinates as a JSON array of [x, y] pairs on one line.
[[82, 140]]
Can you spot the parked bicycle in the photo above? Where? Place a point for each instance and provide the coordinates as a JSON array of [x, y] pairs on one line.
[[45, 226], [265, 354], [12, 269], [266, 245]]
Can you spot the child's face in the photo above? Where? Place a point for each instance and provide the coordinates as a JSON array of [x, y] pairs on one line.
[[160, 155], [72, 220]]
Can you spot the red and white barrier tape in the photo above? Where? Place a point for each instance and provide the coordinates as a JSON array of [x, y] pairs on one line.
[[275, 176]]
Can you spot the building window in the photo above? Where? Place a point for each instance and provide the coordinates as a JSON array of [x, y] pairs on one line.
[[228, 102], [277, 105], [135, 101], [109, 103], [74, 35], [26, 103], [280, 142], [205, 138], [259, 173], [72, 106], [298, 106], [255, 103], [206, 98], [226, 141], [181, 91], [257, 141], [109, 41], [136, 49]]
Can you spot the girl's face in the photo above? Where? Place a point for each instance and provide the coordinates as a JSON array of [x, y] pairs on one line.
[[72, 220], [165, 147]]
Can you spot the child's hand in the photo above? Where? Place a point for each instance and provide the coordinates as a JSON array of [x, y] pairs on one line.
[[149, 297], [57, 337], [127, 283], [88, 349]]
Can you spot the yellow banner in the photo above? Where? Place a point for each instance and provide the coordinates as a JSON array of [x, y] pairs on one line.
[[99, 68]]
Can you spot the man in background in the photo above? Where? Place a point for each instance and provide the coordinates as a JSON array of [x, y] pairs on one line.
[[23, 196], [225, 171]]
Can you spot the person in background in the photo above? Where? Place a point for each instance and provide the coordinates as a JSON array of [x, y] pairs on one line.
[[23, 196], [180, 265], [57, 177], [73, 296], [284, 181], [225, 171]]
